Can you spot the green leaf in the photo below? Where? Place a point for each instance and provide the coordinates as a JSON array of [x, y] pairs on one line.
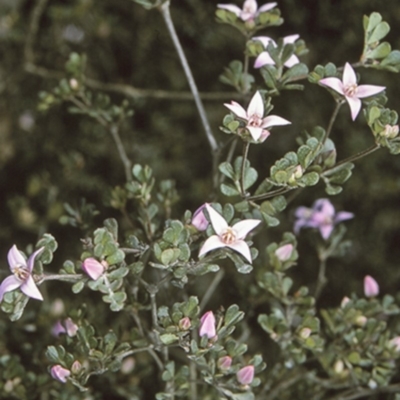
[[380, 31], [373, 20], [297, 71], [77, 287], [168, 338], [227, 169], [229, 190], [382, 51]]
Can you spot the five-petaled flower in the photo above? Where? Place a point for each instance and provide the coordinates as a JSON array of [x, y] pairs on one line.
[[321, 216], [352, 92], [250, 9], [265, 59], [255, 123], [22, 274], [226, 236]]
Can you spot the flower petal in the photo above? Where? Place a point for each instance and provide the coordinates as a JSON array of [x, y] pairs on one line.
[[255, 132], [355, 106], [263, 59], [241, 247], [349, 76], [343, 216], [274, 120], [325, 207], [266, 7], [30, 289], [368, 90], [292, 60], [31, 259], [256, 105], [15, 258], [207, 325], [326, 230], [212, 243], [334, 83], [264, 40], [230, 7], [237, 109], [242, 228], [290, 38], [217, 221], [9, 284]]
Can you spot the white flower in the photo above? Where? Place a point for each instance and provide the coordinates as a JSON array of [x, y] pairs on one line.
[[22, 274], [265, 59], [226, 236], [255, 123], [352, 92], [250, 9]]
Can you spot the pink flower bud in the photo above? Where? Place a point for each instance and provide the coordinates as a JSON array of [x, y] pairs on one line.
[[284, 252], [224, 363], [93, 268], [344, 301], [207, 325], [395, 342], [245, 375], [371, 287], [59, 373], [76, 367], [70, 327], [185, 324], [199, 220]]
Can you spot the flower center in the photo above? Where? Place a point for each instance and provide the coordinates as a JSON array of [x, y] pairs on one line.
[[350, 90], [229, 236], [255, 120], [21, 273]]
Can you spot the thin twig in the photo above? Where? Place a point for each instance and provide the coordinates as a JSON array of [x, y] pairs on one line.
[[214, 284], [246, 147], [332, 120], [321, 280], [165, 11]]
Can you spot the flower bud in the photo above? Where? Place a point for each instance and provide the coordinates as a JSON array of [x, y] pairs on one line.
[[305, 333], [207, 325], [296, 174], [128, 365], [371, 287], [395, 342], [344, 301], [185, 324], [93, 268], [76, 367], [199, 220], [284, 252], [74, 84], [59, 373], [338, 367], [390, 131], [224, 363], [70, 327], [245, 375], [361, 320]]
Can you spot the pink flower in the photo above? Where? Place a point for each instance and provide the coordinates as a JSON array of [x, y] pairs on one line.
[[93, 268], [322, 216], [59, 373], [245, 375], [250, 9], [254, 116], [352, 92], [265, 59], [371, 287], [284, 252], [207, 325], [22, 274], [199, 221], [226, 236]]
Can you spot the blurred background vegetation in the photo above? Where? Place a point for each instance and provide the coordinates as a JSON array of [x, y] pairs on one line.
[[51, 158]]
